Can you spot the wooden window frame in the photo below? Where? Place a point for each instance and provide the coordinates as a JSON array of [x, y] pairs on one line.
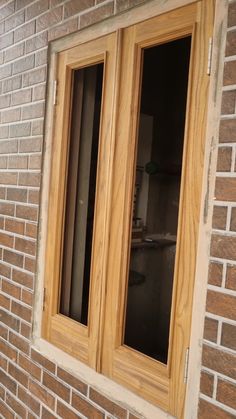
[[100, 344]]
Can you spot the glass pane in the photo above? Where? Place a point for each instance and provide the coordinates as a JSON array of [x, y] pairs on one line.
[[81, 188], [156, 197]]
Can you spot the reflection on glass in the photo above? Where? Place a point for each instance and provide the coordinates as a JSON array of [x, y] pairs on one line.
[[156, 197], [81, 188]]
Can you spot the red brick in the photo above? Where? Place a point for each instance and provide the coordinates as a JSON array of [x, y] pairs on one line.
[[21, 311], [73, 7], [107, 404], [14, 226], [72, 381], [224, 159], [5, 270], [215, 273], [30, 367], [19, 342], [49, 19], [231, 43], [27, 212], [223, 246], [16, 406], [229, 73], [7, 382], [7, 209], [208, 410], [233, 219], [226, 393], [97, 14], [4, 302], [26, 246], [3, 334], [47, 415], [220, 361], [30, 264], [13, 258], [29, 401], [22, 278], [56, 386], [6, 240], [8, 351], [25, 330], [9, 320], [231, 277], [221, 304], [6, 412], [29, 179], [228, 337], [42, 394], [11, 289], [86, 408], [18, 375], [232, 14], [227, 132], [17, 194], [207, 382], [31, 230], [64, 412], [33, 197], [27, 297], [41, 360]]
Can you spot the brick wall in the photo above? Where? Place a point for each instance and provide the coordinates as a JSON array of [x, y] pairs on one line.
[[218, 378], [31, 385]]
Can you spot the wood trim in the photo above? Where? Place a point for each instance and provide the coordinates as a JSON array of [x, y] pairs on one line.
[[140, 373], [54, 329]]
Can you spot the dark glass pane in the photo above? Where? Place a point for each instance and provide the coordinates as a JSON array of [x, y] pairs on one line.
[[156, 197], [81, 188]]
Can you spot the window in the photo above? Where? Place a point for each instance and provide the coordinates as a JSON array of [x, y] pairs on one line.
[[124, 207]]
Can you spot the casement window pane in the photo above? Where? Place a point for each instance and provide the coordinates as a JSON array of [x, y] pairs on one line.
[[156, 197], [81, 191]]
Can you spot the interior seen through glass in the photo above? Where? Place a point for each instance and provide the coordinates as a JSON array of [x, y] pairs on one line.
[[156, 197], [81, 188]]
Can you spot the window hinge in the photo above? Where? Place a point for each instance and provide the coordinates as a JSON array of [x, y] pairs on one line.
[[54, 92], [209, 61], [44, 298], [186, 365]]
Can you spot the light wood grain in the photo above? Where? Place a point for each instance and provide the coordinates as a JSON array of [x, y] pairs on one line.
[[136, 371], [102, 49]]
